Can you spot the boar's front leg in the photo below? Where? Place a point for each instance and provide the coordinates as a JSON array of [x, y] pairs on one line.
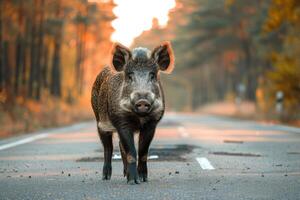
[[127, 141], [145, 138], [106, 138], [124, 159]]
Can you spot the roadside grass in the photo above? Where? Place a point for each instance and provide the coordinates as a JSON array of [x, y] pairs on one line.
[[27, 116]]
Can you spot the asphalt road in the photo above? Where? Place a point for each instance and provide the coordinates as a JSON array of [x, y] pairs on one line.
[[191, 157]]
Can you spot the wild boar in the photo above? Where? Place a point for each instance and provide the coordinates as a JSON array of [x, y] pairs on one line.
[[127, 98]]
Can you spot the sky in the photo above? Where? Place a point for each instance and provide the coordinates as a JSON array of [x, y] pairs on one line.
[[136, 16]]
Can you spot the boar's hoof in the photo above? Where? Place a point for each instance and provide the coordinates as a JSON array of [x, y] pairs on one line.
[[143, 177], [142, 170], [106, 173], [132, 175], [133, 182], [124, 172]]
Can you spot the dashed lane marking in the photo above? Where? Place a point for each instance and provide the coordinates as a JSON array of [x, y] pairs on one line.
[[204, 163]]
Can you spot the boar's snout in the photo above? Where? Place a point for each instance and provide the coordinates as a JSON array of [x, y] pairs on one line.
[[142, 106], [142, 102]]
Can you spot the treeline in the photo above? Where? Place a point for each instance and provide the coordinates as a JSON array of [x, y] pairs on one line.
[[283, 22], [227, 51], [50, 47], [242, 50], [233, 50]]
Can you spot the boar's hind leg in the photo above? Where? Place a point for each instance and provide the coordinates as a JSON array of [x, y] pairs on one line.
[[127, 140], [106, 138], [145, 138]]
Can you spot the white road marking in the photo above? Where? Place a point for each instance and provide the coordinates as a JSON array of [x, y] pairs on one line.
[[24, 141], [204, 163], [182, 131], [153, 157], [44, 135], [118, 157]]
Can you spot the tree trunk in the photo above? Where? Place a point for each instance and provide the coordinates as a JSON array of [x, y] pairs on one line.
[[56, 73], [6, 64], [19, 49], [78, 57], [27, 51], [1, 48], [250, 91], [40, 48], [44, 70], [83, 57], [55, 88], [32, 75]]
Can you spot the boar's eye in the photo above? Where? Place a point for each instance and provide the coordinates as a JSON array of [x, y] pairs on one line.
[[130, 76], [151, 76]]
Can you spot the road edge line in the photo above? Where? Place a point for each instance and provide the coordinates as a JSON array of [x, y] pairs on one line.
[[42, 134], [23, 141]]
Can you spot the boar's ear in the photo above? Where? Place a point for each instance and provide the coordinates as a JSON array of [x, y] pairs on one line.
[[163, 55], [120, 56]]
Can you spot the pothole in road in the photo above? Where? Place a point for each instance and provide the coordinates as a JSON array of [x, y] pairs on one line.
[[222, 153], [172, 153], [160, 153]]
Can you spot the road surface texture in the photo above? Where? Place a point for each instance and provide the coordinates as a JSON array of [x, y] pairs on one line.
[[191, 157]]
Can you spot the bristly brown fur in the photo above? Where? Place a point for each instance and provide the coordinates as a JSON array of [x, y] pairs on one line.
[[118, 91]]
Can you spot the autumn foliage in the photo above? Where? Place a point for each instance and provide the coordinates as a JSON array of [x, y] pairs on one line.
[[225, 50], [284, 19], [50, 53], [234, 50]]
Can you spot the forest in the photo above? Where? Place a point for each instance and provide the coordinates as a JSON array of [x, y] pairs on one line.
[[225, 50], [50, 53], [228, 48]]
